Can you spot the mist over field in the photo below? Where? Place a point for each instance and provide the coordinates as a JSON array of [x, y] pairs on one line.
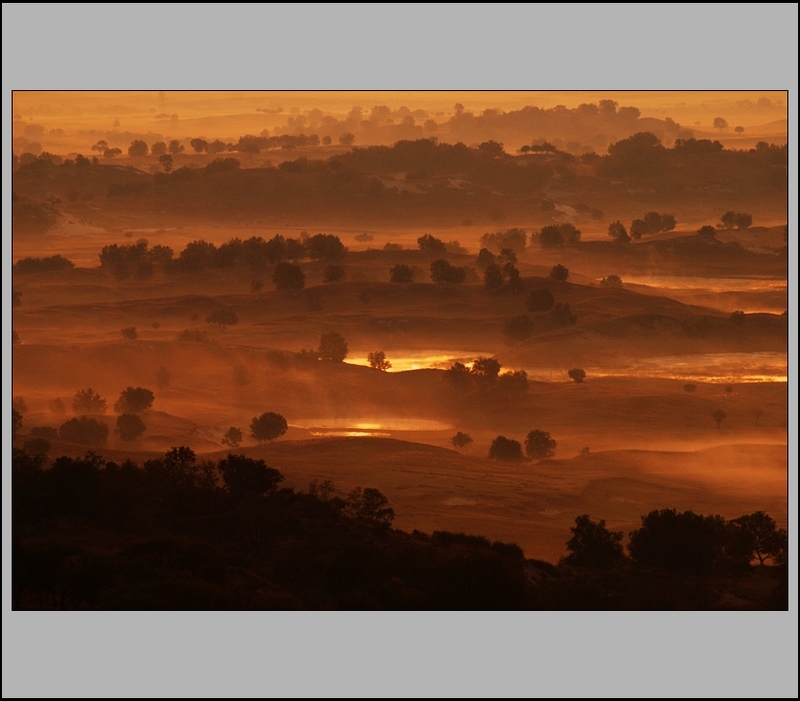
[[387, 350]]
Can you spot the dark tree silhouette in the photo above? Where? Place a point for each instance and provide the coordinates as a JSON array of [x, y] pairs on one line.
[[288, 276], [461, 440], [720, 123], [134, 400], [333, 273], [129, 333], [377, 361], [369, 505], [37, 446], [540, 300], [268, 427], [159, 148], [593, 545], [739, 130], [17, 422], [223, 317], [690, 387], [444, 273], [578, 375], [175, 147], [707, 231], [84, 430], [617, 231], [347, 139], [611, 281], [719, 416], [401, 273], [764, 539], [137, 149], [539, 444], [166, 162], [199, 145], [683, 542], [503, 448], [87, 401], [559, 272], [485, 258], [247, 477], [129, 427], [430, 244], [325, 247], [332, 347], [232, 437], [739, 220], [493, 278]]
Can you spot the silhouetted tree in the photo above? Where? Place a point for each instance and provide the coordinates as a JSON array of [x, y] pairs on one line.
[[611, 281], [539, 444], [401, 274], [377, 361], [87, 401], [540, 300], [175, 147], [764, 539], [690, 387], [137, 149], [719, 416], [17, 422], [485, 258], [578, 375], [430, 244], [129, 333], [333, 273], [248, 477], [288, 276], [739, 130], [347, 139], [617, 231], [444, 273], [369, 505], [493, 277], [268, 427], [332, 347], [559, 272], [593, 545], [325, 247], [461, 440], [720, 123], [134, 400], [739, 220], [199, 145], [166, 162], [683, 542], [707, 231], [84, 430], [232, 437], [129, 427], [37, 446], [223, 317], [159, 148], [512, 384], [503, 448]]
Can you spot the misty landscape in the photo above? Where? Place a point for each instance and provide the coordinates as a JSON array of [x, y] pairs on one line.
[[419, 351]]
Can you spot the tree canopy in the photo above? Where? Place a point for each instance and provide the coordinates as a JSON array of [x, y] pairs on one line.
[[268, 427], [134, 400], [593, 545], [332, 347], [539, 444]]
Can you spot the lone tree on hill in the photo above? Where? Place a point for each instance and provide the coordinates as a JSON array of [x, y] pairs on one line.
[[333, 347], [268, 427], [377, 361], [708, 232], [764, 539], [740, 220], [129, 427], [720, 123], [539, 444], [134, 400], [137, 149], [87, 401], [617, 231], [461, 440], [503, 448], [593, 545], [559, 272], [401, 273], [577, 374], [232, 437], [223, 317], [719, 416]]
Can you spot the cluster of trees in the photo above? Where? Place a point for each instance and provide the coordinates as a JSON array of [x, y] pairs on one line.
[[49, 264], [444, 273], [738, 220], [652, 223], [139, 260], [557, 235], [686, 543], [499, 270], [430, 245], [512, 239], [538, 445], [332, 348], [484, 376], [247, 144]]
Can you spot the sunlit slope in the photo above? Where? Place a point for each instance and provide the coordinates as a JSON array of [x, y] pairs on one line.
[[534, 504]]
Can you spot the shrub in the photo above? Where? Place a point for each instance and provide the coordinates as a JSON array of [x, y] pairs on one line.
[[503, 448]]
